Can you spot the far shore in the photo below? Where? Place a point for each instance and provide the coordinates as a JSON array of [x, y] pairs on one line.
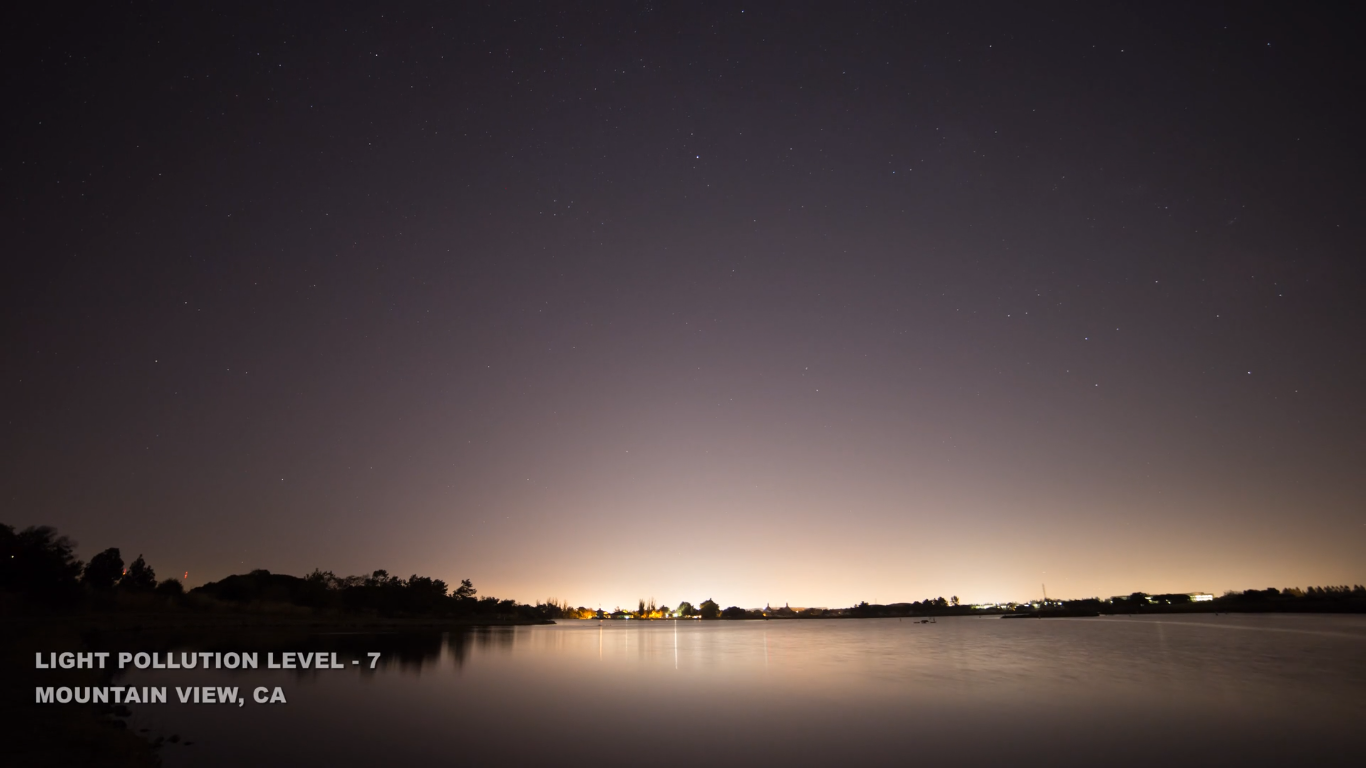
[[899, 611]]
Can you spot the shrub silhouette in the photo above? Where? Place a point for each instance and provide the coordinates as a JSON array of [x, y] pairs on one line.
[[170, 588]]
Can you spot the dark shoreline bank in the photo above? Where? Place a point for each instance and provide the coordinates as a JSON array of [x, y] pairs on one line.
[[98, 735]]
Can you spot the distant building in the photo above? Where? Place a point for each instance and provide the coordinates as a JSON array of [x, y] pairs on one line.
[[1201, 597]]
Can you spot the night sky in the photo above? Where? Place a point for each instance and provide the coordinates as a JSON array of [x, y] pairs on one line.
[[768, 303]]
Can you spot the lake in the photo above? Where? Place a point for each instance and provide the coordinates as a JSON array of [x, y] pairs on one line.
[[1246, 690]]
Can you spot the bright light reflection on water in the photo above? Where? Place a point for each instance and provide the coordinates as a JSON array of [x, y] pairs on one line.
[[1176, 691]]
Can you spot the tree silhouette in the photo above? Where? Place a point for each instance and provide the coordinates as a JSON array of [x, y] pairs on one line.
[[103, 570], [140, 577], [710, 610], [38, 563], [465, 590], [686, 610]]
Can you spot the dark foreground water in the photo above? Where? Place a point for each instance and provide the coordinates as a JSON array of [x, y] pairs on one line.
[[1240, 690]]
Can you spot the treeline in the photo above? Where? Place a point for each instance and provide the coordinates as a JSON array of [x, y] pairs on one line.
[[1337, 599], [1333, 599], [379, 593], [39, 568], [39, 571], [711, 610], [645, 609], [936, 606], [1341, 593]]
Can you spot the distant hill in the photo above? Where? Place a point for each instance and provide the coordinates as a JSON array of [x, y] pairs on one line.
[[264, 586]]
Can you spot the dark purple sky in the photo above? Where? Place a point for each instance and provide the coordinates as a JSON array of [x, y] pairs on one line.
[[800, 303]]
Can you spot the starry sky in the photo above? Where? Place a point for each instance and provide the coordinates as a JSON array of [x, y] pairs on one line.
[[769, 303]]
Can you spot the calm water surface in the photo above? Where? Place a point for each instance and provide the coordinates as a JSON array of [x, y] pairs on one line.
[[1175, 691]]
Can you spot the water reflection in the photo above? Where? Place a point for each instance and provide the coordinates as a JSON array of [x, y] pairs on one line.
[[407, 651], [1256, 690], [415, 651]]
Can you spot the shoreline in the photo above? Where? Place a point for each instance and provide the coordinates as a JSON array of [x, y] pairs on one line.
[[889, 613], [99, 734]]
